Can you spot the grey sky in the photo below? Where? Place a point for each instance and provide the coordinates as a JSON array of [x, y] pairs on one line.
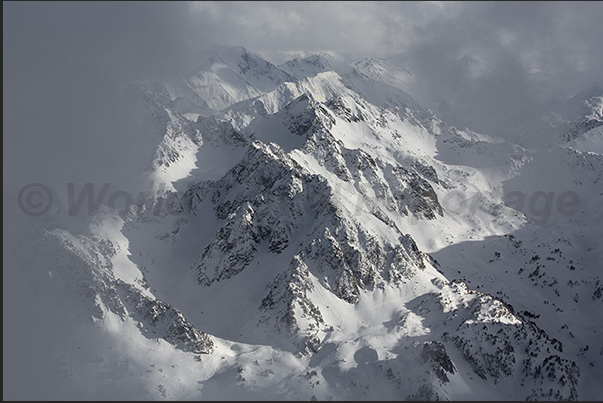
[[545, 35]]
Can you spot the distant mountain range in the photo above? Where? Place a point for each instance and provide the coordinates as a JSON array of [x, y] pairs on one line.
[[318, 230]]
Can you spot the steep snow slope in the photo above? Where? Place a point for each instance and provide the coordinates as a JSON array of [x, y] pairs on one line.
[[591, 141], [312, 65], [551, 108], [549, 267], [225, 78]]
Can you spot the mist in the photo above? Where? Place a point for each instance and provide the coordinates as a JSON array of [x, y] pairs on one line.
[[67, 63]]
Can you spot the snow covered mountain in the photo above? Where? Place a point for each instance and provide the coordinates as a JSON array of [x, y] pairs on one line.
[[312, 65], [311, 231], [552, 109], [225, 78]]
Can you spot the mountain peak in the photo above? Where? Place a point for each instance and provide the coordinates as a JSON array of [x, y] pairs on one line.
[[312, 65], [239, 53]]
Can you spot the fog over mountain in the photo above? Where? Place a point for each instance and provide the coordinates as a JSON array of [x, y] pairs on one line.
[[76, 57], [303, 200]]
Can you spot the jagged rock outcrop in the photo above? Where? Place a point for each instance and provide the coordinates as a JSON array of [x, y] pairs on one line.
[[289, 308], [158, 319], [435, 353], [85, 264]]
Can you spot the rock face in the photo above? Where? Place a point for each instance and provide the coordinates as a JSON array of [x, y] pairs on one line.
[[435, 353], [86, 264], [274, 199], [268, 196], [289, 308], [159, 319], [266, 206]]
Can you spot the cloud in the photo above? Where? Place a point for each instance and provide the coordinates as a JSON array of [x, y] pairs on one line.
[[352, 29], [552, 36], [554, 39]]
